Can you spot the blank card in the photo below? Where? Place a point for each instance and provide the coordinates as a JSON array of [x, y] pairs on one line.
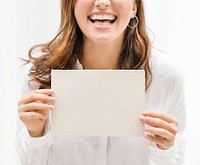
[[98, 102]]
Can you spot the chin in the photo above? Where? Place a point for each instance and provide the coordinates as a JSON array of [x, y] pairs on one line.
[[103, 38]]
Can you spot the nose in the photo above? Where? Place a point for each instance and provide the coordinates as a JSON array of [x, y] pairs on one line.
[[102, 4]]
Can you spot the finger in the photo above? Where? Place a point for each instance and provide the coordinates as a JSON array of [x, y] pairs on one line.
[[41, 91], [161, 142], [32, 115], [156, 122], [34, 106], [44, 91], [36, 97], [160, 132], [161, 115]]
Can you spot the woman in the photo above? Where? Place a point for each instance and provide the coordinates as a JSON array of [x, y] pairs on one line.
[[103, 34]]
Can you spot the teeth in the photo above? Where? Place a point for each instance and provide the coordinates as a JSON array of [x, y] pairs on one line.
[[102, 17]]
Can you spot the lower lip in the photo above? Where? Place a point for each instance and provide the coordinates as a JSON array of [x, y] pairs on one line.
[[102, 25]]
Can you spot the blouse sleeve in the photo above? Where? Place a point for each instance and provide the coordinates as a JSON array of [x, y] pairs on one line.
[[177, 109], [32, 151]]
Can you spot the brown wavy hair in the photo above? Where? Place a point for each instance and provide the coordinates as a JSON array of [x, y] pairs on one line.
[[63, 51]]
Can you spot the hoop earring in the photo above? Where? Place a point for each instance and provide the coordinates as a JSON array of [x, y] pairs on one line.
[[131, 22]]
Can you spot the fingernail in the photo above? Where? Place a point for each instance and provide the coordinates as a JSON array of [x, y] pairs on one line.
[[50, 92], [51, 107], [46, 116], [146, 128], [51, 98], [146, 135], [145, 112], [141, 118]]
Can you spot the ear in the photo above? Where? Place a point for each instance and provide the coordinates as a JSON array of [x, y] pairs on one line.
[[134, 9]]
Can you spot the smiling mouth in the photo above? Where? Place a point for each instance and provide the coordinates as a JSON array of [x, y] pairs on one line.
[[103, 18]]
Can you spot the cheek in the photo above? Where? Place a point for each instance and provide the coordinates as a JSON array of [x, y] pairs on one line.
[[76, 11], [79, 8], [125, 8], [80, 11], [78, 15]]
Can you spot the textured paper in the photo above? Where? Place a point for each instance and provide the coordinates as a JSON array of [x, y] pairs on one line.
[[98, 102]]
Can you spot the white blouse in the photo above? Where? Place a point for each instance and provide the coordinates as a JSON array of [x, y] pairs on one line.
[[165, 94]]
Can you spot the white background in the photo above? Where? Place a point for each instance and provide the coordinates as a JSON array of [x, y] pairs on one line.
[[24, 23]]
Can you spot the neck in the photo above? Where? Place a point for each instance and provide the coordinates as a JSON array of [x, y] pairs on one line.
[[101, 55]]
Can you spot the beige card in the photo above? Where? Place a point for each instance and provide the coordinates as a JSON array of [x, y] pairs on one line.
[[98, 102]]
